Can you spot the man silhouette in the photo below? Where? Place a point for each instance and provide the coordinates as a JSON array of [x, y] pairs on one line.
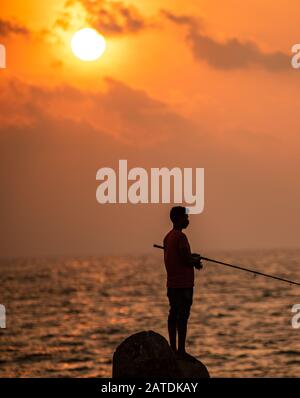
[[179, 263]]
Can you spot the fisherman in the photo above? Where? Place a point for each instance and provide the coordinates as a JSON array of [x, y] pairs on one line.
[[179, 263]]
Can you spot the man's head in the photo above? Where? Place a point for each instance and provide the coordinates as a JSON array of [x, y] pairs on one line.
[[179, 217]]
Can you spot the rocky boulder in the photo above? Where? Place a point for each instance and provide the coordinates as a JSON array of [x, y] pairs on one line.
[[148, 355]]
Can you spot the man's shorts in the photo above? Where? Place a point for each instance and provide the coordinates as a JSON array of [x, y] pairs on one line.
[[180, 300]]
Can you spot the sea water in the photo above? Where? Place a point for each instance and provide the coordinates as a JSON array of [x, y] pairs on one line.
[[65, 316]]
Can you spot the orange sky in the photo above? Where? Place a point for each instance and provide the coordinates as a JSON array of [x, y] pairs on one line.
[[188, 84]]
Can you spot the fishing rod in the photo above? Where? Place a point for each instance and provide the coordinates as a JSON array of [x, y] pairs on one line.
[[240, 268]]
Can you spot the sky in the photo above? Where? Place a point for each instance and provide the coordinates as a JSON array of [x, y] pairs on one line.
[[181, 84]]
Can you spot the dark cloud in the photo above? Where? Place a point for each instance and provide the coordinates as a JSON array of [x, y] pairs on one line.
[[234, 54], [187, 20], [130, 115], [7, 28], [115, 18], [109, 17], [230, 54]]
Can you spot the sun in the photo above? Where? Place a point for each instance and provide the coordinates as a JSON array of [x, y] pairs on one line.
[[88, 45]]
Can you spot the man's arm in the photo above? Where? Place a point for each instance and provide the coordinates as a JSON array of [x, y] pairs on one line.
[[191, 260], [196, 259], [186, 256]]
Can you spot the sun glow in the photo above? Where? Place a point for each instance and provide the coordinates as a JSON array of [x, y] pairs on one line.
[[88, 45]]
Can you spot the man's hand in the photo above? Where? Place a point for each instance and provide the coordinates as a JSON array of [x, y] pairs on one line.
[[196, 261]]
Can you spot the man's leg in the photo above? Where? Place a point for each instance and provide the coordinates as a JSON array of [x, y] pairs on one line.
[[182, 330], [172, 320], [184, 313], [172, 332]]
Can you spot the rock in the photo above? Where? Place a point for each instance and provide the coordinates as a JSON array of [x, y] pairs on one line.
[[193, 369], [148, 355], [145, 354]]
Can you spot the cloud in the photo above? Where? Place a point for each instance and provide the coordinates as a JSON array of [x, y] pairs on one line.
[[7, 28], [109, 17], [52, 142], [143, 118], [125, 113], [191, 22], [230, 54], [234, 54]]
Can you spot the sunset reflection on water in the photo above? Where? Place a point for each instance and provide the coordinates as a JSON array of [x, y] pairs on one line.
[[66, 316]]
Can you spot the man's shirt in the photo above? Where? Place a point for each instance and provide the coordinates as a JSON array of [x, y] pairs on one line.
[[179, 272]]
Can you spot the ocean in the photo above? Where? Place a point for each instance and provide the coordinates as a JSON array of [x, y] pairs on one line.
[[65, 316]]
